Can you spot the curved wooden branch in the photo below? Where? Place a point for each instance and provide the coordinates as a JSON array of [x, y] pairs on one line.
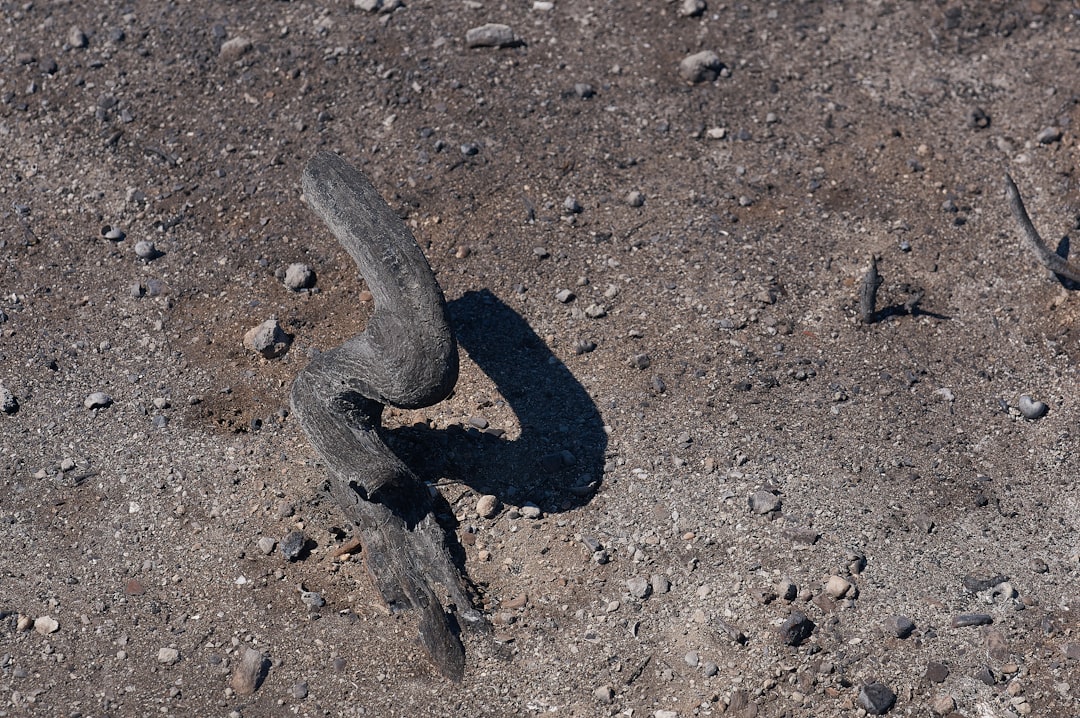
[[407, 358], [1035, 243]]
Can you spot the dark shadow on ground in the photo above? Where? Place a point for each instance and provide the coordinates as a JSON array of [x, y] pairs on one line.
[[1063, 252], [558, 460]]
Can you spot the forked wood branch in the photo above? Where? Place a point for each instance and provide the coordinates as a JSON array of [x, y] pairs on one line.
[[406, 357], [1043, 253]]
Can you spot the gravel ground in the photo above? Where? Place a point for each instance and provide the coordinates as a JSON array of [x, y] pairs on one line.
[[685, 478]]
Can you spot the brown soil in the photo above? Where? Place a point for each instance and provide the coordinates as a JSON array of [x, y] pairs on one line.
[[837, 132]]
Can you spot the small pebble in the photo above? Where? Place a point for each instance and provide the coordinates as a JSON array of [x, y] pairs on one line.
[[1032, 409], [584, 346], [572, 206], [97, 400], [470, 149], [899, 626], [299, 276], [146, 250], [978, 585], [1048, 135], [660, 584], [604, 694], [595, 311], [640, 361], [591, 543], [168, 656], [564, 296], [638, 587], [487, 506], [837, 586], [943, 705], [704, 66], [936, 672], [312, 599], [490, 35], [266, 545], [114, 234], [233, 49], [300, 690], [691, 659], [796, 629], [635, 198], [965, 620], [292, 546], [46, 625], [876, 698], [692, 8], [8, 403], [584, 90], [764, 502], [787, 590], [530, 511], [77, 38], [248, 673], [268, 339]]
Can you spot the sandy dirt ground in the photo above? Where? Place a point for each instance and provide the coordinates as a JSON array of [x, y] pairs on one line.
[[709, 488]]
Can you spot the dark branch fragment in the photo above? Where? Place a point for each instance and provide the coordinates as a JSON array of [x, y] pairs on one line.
[[868, 293], [1035, 243]]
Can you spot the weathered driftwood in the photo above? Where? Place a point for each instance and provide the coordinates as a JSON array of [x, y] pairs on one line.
[[407, 358], [1035, 243]]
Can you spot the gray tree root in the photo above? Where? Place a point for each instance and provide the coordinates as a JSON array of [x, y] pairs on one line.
[[1035, 243], [406, 358]]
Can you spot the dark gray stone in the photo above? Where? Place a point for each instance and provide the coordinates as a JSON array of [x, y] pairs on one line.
[[899, 626], [965, 620], [796, 629], [293, 545], [876, 698], [936, 672], [764, 502]]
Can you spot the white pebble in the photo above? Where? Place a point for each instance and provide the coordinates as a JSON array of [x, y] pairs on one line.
[[168, 656], [97, 400]]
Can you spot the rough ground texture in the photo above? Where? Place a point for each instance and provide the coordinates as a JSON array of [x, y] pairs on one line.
[[757, 450]]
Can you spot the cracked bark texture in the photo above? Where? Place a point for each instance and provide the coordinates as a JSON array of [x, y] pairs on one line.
[[406, 357]]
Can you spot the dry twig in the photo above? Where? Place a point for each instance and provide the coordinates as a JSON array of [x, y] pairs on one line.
[[868, 293], [1046, 257]]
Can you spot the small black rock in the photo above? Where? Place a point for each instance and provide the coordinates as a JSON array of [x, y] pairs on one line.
[[899, 626], [978, 585], [876, 698], [796, 629], [293, 545]]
